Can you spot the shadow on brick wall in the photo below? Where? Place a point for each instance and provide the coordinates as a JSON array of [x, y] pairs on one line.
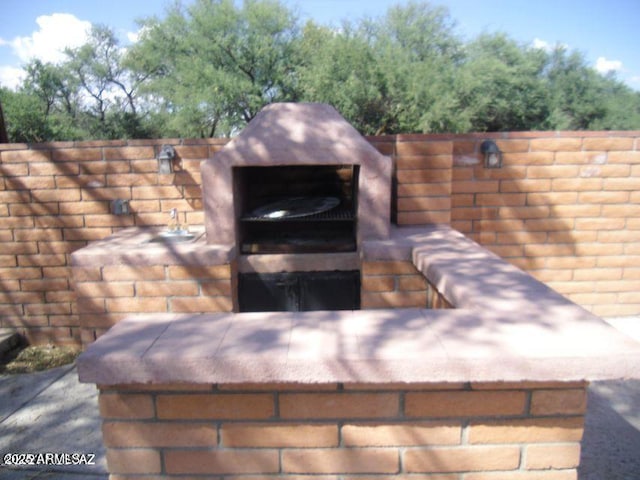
[[56, 198], [557, 209]]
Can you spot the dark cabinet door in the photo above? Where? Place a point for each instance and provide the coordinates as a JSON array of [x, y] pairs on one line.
[[268, 293], [330, 291], [299, 291]]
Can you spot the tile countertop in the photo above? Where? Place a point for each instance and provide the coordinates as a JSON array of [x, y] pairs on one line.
[[506, 327], [135, 246]]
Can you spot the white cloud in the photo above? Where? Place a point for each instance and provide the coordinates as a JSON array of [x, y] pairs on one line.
[[55, 33], [603, 65], [542, 45], [548, 47], [11, 77], [133, 37]]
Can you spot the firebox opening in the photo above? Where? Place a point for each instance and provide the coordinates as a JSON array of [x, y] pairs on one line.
[[296, 208]]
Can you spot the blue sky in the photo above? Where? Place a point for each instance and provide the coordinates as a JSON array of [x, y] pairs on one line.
[[604, 30]]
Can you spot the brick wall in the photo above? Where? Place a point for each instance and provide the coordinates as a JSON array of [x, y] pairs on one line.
[[488, 431], [397, 284], [55, 198], [565, 207], [107, 294]]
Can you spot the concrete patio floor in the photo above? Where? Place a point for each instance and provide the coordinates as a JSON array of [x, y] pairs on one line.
[[52, 412]]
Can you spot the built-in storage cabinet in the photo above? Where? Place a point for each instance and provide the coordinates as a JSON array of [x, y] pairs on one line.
[[299, 291]]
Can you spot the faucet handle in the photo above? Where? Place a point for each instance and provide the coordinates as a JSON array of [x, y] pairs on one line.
[[173, 220], [185, 225]]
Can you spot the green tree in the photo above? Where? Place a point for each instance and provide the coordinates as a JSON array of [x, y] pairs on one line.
[[108, 88], [622, 108], [387, 74], [207, 68], [419, 51], [576, 98], [420, 30], [24, 118], [341, 68], [500, 85], [215, 65], [59, 97]]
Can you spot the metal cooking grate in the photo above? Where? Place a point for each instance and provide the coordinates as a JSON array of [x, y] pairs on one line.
[[336, 214]]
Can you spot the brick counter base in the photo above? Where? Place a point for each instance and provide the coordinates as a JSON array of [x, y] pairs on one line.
[[497, 431]]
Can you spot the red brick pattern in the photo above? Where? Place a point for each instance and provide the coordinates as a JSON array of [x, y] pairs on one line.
[[55, 198], [565, 207], [106, 295], [397, 284], [423, 178], [490, 431]]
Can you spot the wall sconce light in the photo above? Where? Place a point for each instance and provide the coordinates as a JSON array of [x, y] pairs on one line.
[[120, 207], [492, 154], [165, 159]]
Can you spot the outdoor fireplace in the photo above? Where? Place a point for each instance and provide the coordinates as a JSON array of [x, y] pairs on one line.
[[310, 156], [299, 182]]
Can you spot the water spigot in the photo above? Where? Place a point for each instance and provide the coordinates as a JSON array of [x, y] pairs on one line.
[[174, 224], [173, 220]]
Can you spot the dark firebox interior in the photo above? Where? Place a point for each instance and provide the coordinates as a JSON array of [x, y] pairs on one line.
[[328, 231], [331, 230]]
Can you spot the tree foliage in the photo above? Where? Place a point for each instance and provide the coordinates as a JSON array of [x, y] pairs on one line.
[[500, 86], [215, 65], [205, 69]]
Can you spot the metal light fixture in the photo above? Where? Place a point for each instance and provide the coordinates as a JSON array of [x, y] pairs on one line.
[[120, 207], [165, 159], [492, 154]]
